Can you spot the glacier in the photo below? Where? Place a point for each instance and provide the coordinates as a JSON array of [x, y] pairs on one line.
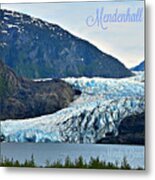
[[103, 104]]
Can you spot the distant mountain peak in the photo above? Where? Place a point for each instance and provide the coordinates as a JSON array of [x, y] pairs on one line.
[[37, 49], [139, 67]]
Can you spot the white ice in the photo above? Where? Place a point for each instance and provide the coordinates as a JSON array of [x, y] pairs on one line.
[[100, 109]]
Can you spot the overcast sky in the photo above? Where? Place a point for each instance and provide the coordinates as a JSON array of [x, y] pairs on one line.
[[124, 41]]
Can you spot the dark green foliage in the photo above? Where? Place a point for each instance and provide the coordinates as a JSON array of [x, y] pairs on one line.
[[125, 164], [11, 163], [94, 163]]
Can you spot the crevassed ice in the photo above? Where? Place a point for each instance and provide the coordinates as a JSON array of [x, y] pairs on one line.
[[100, 109]]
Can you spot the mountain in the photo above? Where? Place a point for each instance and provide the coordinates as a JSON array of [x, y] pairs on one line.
[[128, 133], [22, 98], [38, 49], [8, 81], [139, 67]]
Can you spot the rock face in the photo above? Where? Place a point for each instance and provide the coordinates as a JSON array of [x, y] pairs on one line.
[[139, 67], [21, 98], [131, 131], [8, 81], [38, 49]]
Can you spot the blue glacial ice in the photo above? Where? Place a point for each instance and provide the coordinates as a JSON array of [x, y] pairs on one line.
[[99, 110]]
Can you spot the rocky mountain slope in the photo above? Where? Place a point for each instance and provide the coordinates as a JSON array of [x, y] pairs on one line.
[[35, 48], [130, 131], [139, 67], [22, 98]]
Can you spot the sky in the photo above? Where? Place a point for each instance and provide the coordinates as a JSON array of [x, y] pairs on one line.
[[124, 41]]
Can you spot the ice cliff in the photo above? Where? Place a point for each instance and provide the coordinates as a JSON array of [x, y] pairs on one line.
[[104, 103]]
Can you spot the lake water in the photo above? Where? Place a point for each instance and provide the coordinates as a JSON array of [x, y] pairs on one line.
[[54, 152]]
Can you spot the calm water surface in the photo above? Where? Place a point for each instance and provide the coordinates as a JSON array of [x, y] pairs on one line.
[[54, 152]]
